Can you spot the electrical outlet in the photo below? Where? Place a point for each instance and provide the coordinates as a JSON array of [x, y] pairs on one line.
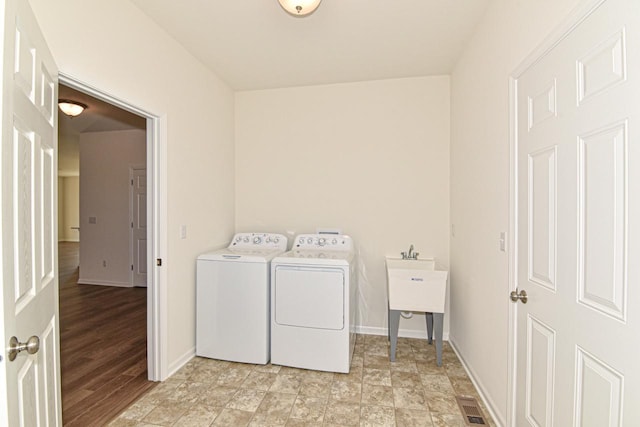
[[104, 262], [503, 241]]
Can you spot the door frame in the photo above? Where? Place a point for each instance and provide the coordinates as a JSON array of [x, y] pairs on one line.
[[573, 19], [157, 369]]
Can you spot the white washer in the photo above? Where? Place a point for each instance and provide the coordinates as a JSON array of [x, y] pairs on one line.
[[232, 298], [313, 304]]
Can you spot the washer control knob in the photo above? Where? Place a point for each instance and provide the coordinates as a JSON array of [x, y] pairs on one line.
[[309, 240], [322, 241], [238, 239], [257, 240], [246, 239], [276, 240], [301, 241], [334, 242]]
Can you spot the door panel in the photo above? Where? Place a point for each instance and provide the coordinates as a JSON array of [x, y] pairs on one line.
[[29, 236], [578, 144], [138, 239]]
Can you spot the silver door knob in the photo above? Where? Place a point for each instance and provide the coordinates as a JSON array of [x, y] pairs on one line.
[[32, 346], [522, 296]]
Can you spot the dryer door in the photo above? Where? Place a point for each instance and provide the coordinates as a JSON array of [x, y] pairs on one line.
[[309, 297]]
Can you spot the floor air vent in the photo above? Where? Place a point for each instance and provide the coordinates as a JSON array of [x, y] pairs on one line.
[[470, 410]]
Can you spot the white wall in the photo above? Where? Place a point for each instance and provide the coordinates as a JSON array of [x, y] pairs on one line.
[[68, 208], [125, 54], [105, 249], [480, 184], [369, 158]]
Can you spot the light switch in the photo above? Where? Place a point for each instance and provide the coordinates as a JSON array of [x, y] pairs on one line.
[[503, 241], [183, 231]]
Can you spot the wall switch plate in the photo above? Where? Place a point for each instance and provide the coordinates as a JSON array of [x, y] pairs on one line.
[[183, 231], [503, 241], [93, 220]]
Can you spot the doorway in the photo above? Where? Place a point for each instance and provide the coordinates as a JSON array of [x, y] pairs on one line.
[[101, 379]]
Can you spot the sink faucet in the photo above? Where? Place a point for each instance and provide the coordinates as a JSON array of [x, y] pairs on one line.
[[410, 255]]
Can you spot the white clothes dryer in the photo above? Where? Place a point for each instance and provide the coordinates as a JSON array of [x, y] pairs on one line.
[[314, 304], [232, 298]]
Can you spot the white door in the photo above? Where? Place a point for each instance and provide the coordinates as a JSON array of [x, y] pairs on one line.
[[578, 142], [30, 384], [138, 240]]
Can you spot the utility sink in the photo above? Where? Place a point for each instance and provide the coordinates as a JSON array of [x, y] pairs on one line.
[[416, 285]]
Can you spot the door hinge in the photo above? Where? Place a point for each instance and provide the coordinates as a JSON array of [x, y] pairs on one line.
[[132, 225], [159, 262], [132, 182], [131, 267]]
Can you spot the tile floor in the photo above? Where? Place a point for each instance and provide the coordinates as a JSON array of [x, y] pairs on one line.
[[412, 391]]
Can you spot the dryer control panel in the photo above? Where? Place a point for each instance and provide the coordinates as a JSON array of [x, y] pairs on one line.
[[259, 241], [330, 242]]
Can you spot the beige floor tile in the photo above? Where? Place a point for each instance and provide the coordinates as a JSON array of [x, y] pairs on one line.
[[405, 379], [377, 416], [346, 391], [233, 376], [309, 408], [412, 391], [166, 414], [258, 380], [138, 410], [246, 399], [377, 376], [315, 387], [354, 375], [342, 413], [440, 383], [380, 395], [217, 396], [442, 402], [411, 398], [413, 418], [286, 384], [198, 415], [376, 362], [233, 417], [448, 420]]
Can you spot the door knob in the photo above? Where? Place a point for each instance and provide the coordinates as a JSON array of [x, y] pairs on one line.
[[32, 346], [522, 296]]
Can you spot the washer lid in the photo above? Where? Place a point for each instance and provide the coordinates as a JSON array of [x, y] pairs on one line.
[[241, 255]]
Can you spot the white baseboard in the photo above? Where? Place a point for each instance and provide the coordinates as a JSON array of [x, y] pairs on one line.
[[71, 239], [488, 402], [84, 281], [181, 361], [404, 333]]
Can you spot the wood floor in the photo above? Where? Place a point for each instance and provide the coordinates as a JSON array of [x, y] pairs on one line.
[[103, 341]]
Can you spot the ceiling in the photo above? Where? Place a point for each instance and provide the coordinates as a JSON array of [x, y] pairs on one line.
[[98, 117], [255, 44]]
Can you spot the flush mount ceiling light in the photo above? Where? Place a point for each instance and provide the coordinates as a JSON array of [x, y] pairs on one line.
[[71, 108], [299, 7]]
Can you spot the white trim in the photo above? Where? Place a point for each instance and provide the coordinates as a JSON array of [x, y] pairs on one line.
[[181, 361], [99, 282], [488, 403], [156, 217], [575, 18], [402, 333]]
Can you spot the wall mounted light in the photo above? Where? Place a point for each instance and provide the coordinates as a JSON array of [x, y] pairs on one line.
[[299, 7], [71, 108]]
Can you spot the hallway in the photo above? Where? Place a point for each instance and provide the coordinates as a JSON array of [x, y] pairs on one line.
[[103, 345]]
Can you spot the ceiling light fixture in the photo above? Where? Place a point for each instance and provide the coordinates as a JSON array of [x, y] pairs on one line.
[[71, 108], [299, 7]]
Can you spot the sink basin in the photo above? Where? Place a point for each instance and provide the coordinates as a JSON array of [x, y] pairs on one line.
[[416, 285]]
